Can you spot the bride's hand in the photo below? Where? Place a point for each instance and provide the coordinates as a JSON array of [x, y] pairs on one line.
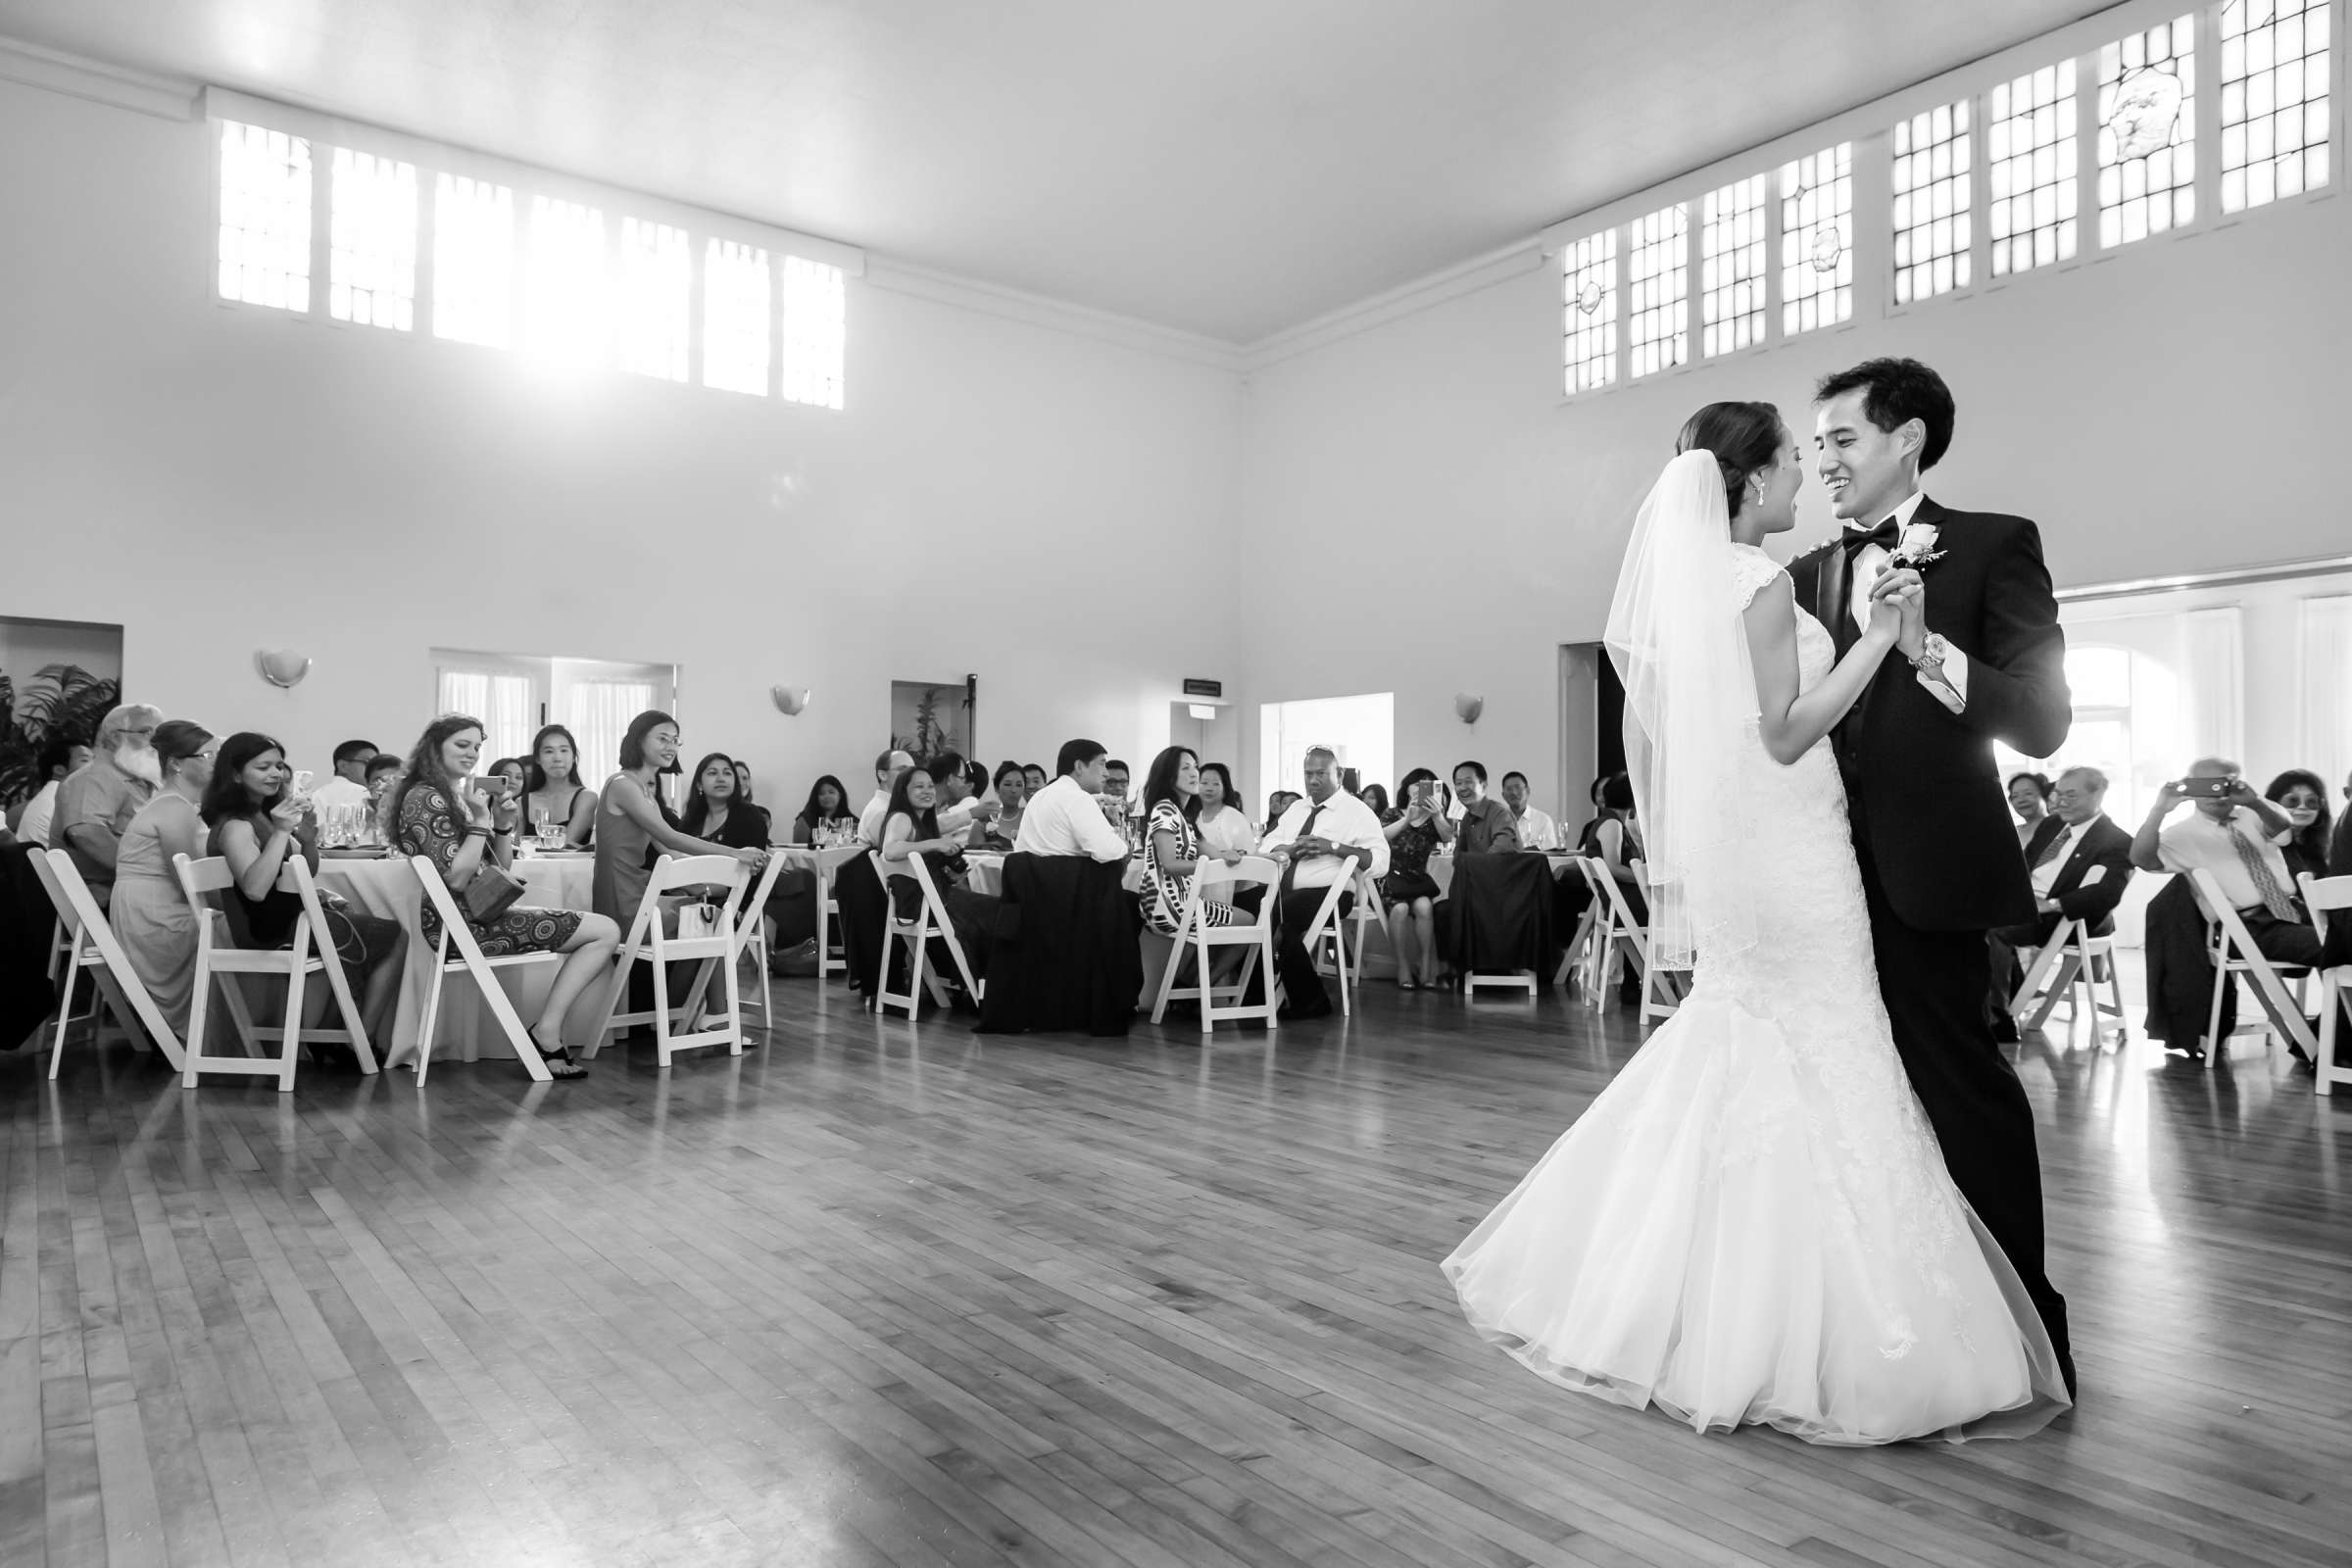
[[1902, 593]]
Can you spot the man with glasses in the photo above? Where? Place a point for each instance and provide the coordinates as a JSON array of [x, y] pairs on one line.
[[1325, 838], [97, 801], [2079, 861]]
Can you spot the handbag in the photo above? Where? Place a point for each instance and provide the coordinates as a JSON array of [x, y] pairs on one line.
[[491, 894]]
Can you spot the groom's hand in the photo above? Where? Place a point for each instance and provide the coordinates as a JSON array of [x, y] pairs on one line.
[[1909, 591]]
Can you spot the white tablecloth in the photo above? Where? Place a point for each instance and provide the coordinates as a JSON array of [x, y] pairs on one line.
[[389, 888], [987, 873]]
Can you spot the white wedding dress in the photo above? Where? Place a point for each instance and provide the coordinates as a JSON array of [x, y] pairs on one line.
[[1753, 1222]]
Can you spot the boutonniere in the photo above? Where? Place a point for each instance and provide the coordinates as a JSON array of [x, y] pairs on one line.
[[1916, 548]]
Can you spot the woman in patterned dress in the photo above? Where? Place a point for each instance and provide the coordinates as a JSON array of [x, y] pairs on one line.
[[1408, 890], [1172, 845], [439, 811]]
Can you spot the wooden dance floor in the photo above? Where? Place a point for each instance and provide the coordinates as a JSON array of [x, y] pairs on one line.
[[879, 1295]]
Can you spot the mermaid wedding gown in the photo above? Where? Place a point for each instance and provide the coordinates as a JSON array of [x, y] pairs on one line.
[[1752, 1223]]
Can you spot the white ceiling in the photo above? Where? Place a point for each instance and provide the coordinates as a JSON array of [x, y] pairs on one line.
[[1228, 167]]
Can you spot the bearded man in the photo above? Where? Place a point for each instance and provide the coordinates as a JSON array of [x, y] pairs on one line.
[[97, 801]]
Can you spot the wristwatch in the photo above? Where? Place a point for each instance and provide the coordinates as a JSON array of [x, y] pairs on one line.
[[1928, 661]]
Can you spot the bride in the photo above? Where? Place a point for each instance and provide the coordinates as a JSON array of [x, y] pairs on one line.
[[1753, 1222]]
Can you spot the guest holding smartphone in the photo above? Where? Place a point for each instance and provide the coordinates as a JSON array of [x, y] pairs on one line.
[[1408, 890]]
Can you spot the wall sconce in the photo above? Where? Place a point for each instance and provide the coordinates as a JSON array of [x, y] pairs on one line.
[[789, 699], [282, 667], [1467, 708]]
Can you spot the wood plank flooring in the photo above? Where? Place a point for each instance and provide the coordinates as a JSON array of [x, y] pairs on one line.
[[888, 1295]]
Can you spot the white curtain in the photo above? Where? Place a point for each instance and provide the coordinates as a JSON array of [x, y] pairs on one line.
[[598, 714], [2323, 703], [503, 702], [2213, 682]]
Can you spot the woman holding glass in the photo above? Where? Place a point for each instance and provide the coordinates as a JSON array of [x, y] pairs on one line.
[[554, 798], [826, 818]]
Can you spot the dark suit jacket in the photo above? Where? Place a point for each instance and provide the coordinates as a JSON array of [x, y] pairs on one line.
[[27, 931], [2339, 846], [2101, 843], [1063, 952], [1924, 797]]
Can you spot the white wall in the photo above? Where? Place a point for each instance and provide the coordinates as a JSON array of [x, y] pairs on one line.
[[219, 478], [2175, 408]]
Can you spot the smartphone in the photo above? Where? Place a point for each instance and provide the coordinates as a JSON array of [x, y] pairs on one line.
[[2207, 788], [302, 781]]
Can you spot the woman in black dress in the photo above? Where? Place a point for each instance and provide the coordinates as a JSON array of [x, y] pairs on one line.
[[1408, 890]]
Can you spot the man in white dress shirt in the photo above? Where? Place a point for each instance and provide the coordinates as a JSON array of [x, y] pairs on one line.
[[1537, 829], [1326, 838], [887, 768], [2234, 836], [58, 761], [349, 786], [1065, 817]]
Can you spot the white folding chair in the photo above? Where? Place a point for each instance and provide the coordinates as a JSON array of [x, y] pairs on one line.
[[2068, 968], [930, 923], [751, 931], [1326, 927], [1224, 1004], [1661, 992], [88, 943], [310, 952], [1353, 930], [2229, 948], [459, 952], [715, 946], [831, 958], [1574, 960], [2327, 897]]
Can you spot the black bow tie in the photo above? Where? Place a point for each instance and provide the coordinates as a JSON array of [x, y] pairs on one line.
[[1853, 539]]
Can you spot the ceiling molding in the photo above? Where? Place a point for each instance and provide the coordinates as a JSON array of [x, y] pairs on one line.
[[163, 97], [1408, 298], [1037, 310]]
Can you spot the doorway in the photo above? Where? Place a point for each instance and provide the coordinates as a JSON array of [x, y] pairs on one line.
[[1591, 726]]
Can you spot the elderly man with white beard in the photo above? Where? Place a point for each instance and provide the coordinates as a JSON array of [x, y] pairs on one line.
[[97, 801]]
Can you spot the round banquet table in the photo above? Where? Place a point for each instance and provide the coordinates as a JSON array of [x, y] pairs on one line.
[[388, 887]]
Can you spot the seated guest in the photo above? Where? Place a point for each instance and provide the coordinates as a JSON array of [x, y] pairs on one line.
[[911, 830], [1172, 847], [2236, 837], [716, 810], [149, 912], [1115, 789], [1012, 792], [515, 770], [1617, 843], [2079, 862], [1535, 827], [1408, 890], [1484, 826], [887, 768], [97, 801], [1585, 844], [827, 814], [552, 791], [1035, 774], [963, 812], [743, 781], [1221, 824], [1067, 816], [634, 826], [438, 810], [257, 822], [349, 785], [383, 771], [2304, 798], [1376, 798], [1321, 840], [1279, 801], [59, 759], [2030, 798]]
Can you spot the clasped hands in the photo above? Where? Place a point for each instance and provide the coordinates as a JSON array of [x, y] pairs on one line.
[[1314, 845], [1899, 604]]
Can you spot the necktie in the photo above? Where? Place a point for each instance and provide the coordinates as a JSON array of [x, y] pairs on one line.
[[2049, 851], [1289, 873], [2273, 897]]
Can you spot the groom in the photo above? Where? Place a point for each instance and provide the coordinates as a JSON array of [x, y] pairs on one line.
[[1940, 860]]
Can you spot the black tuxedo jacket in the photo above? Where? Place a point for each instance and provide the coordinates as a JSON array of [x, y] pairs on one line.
[[2100, 842], [1920, 780]]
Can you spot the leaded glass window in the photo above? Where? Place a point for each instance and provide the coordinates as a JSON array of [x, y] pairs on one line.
[[657, 299], [1933, 187], [2147, 133], [1817, 240], [2031, 142], [265, 216], [567, 308], [1731, 246], [2274, 100], [735, 314], [1589, 286], [371, 262], [814, 331], [1657, 269], [473, 261]]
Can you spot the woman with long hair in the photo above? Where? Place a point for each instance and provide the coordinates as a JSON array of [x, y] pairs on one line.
[[716, 809], [2298, 792], [257, 822], [149, 912], [829, 807], [1172, 850], [552, 791], [1408, 890], [1224, 827], [439, 810], [911, 831]]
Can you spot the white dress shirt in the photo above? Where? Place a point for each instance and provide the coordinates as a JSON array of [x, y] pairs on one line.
[[870, 821], [2197, 842], [1342, 819], [1228, 831], [1537, 831], [339, 791], [33, 826], [1063, 819], [2053, 862], [1869, 562]]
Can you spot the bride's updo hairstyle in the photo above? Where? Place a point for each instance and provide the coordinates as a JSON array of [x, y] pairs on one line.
[[1744, 437]]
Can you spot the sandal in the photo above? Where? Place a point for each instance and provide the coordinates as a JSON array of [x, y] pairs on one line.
[[559, 1063]]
